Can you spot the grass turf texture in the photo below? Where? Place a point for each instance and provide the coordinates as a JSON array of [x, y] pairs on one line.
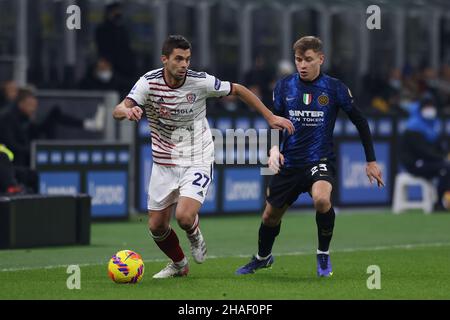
[[412, 251]]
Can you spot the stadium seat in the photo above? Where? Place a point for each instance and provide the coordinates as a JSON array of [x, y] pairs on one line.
[[400, 200]]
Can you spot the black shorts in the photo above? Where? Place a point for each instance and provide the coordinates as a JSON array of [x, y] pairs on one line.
[[285, 187]]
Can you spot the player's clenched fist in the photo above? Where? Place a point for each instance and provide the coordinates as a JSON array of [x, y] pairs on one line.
[[134, 114]]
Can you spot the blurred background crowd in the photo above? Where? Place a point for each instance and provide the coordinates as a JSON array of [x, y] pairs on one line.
[[389, 70], [386, 68]]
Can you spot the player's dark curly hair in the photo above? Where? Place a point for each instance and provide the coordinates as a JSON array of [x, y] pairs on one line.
[[309, 42], [175, 42]]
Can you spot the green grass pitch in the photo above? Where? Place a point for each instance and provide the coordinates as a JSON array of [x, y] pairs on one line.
[[412, 251]]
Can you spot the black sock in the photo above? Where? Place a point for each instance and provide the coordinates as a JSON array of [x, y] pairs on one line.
[[266, 239], [325, 225]]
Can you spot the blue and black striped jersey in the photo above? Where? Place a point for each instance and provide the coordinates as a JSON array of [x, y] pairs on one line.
[[313, 107]]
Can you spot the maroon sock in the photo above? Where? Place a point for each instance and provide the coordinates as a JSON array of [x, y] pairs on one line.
[[170, 245]]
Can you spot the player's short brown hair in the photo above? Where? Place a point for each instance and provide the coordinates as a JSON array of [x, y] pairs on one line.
[[309, 42], [175, 42]]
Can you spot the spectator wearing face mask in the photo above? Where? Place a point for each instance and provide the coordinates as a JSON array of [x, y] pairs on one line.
[[103, 77], [423, 153], [113, 41]]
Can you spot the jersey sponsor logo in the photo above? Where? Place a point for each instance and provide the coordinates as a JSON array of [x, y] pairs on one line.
[[307, 98], [167, 113], [306, 113], [217, 84], [323, 100], [176, 112], [191, 97], [309, 118]]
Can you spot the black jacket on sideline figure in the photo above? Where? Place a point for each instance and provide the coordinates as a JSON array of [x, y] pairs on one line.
[[17, 132], [414, 147]]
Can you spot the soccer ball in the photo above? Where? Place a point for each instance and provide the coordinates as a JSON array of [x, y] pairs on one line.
[[126, 266]]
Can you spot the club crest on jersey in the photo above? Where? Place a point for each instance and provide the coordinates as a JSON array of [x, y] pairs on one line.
[[164, 112], [307, 98], [191, 97], [323, 100]]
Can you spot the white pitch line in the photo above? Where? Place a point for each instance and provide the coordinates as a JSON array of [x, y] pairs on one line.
[[295, 253]]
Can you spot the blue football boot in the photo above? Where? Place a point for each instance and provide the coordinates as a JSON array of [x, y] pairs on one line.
[[255, 264], [324, 265]]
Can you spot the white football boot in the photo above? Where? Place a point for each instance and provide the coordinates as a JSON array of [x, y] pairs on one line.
[[198, 246], [173, 269]]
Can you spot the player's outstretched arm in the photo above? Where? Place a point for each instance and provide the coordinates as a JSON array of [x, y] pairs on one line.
[[345, 101], [373, 171], [252, 100], [127, 109]]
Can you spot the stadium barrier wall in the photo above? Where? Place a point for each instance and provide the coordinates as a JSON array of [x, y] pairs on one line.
[[36, 220], [99, 169]]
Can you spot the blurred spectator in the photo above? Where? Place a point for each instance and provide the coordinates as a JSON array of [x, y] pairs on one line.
[[18, 126], [227, 104], [396, 93], [103, 77], [385, 93], [437, 84], [373, 92], [15, 180], [428, 84], [7, 180], [410, 89], [443, 86], [258, 80], [113, 41], [422, 153], [394, 87], [8, 95], [284, 69]]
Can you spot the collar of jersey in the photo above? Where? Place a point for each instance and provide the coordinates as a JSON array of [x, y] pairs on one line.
[[312, 81], [167, 84]]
